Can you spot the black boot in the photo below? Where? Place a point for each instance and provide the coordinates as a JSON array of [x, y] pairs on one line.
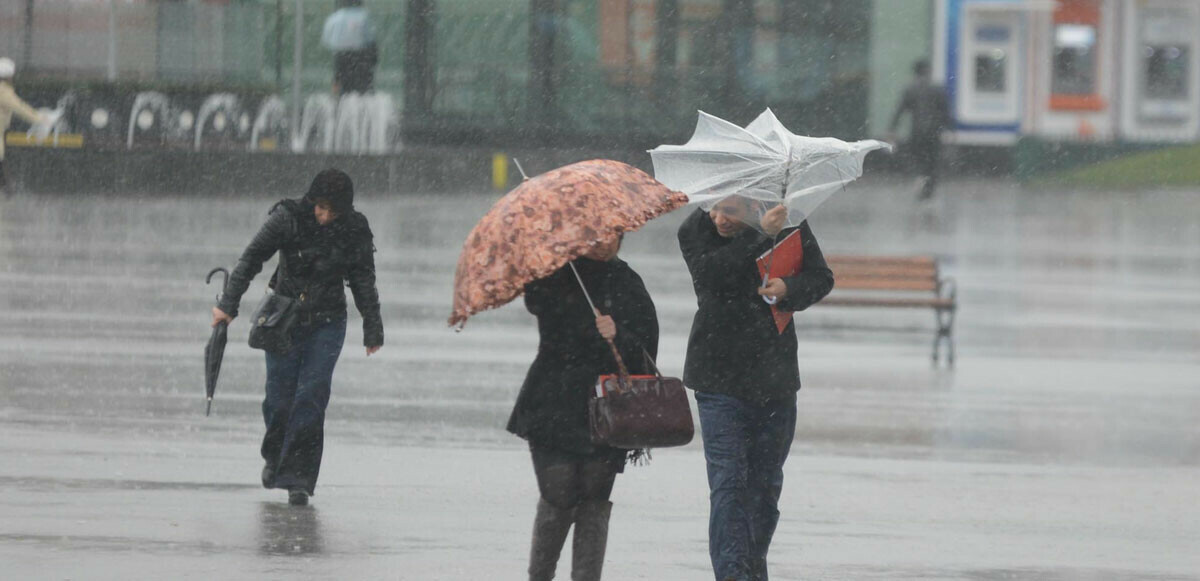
[[268, 475], [550, 528], [591, 538], [297, 497]]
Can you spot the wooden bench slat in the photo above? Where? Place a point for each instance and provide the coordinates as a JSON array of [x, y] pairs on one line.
[[924, 261], [894, 272], [866, 301], [894, 281], [882, 284]]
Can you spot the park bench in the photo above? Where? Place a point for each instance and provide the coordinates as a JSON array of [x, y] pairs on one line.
[[902, 282]]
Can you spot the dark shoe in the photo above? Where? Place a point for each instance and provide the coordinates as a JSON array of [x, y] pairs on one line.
[[297, 497], [550, 528], [591, 539], [927, 189], [268, 475]]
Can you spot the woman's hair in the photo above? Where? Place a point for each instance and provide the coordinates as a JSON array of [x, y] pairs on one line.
[[332, 186]]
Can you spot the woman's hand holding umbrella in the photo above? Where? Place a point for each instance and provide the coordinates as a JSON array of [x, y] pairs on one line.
[[606, 326], [220, 316], [774, 220]]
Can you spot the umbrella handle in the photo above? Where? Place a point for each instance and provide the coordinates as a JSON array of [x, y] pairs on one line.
[[521, 169], [208, 279], [220, 269], [770, 262], [622, 371]]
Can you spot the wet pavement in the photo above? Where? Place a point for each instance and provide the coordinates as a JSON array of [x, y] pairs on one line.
[[1063, 446]]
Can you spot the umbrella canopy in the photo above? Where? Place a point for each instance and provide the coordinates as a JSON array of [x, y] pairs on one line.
[[214, 351], [347, 29], [762, 161], [548, 221]]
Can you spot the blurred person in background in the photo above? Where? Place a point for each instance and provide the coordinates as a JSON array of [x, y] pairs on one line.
[[349, 34], [11, 104], [929, 113]]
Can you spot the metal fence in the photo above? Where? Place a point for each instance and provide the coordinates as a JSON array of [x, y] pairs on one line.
[[126, 39], [613, 66]]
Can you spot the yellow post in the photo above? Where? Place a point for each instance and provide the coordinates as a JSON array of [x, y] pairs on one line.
[[499, 171]]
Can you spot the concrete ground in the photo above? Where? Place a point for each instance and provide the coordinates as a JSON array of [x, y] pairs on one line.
[[1063, 446]]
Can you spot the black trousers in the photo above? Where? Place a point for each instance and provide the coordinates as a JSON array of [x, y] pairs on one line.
[[566, 479], [354, 70], [3, 180], [926, 154]]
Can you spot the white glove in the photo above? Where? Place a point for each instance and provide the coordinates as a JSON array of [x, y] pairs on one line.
[[41, 130]]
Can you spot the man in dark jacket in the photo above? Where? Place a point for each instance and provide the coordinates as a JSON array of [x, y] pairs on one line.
[[929, 110], [745, 374]]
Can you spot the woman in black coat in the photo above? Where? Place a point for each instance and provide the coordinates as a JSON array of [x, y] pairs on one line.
[[323, 243], [575, 477]]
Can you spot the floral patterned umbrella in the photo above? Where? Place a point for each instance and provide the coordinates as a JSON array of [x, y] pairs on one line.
[[548, 221]]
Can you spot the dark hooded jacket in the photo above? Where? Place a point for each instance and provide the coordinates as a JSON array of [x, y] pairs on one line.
[[734, 347], [930, 110], [551, 409], [318, 260]]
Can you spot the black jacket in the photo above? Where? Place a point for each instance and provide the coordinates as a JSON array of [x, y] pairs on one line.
[[317, 259], [734, 347], [551, 409], [929, 107]]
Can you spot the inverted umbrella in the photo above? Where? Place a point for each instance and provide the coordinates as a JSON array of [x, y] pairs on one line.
[[214, 351], [763, 162], [548, 221]]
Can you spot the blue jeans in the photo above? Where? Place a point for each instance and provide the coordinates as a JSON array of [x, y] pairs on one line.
[[745, 446], [298, 387]]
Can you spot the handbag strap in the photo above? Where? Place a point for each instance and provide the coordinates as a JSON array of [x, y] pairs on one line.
[[281, 274], [281, 270], [653, 364], [622, 371]]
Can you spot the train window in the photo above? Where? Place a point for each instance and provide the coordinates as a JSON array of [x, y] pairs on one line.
[[1166, 68], [1074, 71], [990, 73]]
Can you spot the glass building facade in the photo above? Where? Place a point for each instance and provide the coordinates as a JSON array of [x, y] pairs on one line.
[[533, 72]]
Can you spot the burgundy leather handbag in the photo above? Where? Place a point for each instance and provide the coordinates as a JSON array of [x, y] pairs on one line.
[[639, 411]]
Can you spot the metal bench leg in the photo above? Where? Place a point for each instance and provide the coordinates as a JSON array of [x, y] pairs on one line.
[[937, 344], [945, 331]]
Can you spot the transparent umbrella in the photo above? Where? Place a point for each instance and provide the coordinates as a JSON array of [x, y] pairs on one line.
[[763, 162]]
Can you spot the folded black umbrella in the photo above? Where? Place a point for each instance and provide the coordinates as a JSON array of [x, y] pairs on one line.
[[214, 352]]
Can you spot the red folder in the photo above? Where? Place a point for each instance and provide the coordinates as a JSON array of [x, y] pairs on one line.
[[786, 259]]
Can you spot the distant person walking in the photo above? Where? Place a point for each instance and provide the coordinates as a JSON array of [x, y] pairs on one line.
[[349, 34], [323, 243], [929, 112], [574, 476], [11, 104]]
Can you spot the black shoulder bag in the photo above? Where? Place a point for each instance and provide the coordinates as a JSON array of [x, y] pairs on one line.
[[275, 317]]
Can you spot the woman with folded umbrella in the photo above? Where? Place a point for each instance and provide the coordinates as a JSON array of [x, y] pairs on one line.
[[574, 476], [323, 243]]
